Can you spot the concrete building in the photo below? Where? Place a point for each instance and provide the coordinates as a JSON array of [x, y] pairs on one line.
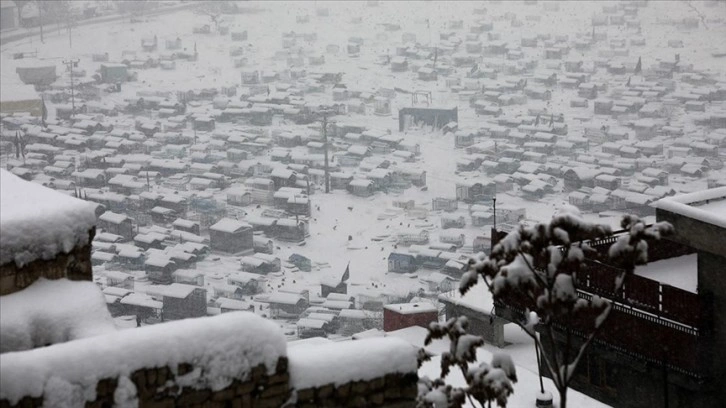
[[663, 340]]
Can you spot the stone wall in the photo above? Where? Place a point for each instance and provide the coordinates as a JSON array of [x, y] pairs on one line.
[[74, 265], [159, 388], [391, 391]]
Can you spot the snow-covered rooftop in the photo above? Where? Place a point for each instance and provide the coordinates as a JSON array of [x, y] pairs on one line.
[[12, 91], [708, 205], [39, 223], [411, 308], [140, 299], [229, 225], [175, 290]]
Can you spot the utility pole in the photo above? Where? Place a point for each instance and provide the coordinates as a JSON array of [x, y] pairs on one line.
[[70, 29], [40, 19], [494, 233], [325, 143], [494, 203], [71, 63]]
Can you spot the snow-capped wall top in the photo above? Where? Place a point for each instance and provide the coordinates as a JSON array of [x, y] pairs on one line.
[[707, 205], [411, 308], [313, 365], [221, 348], [31, 318], [39, 223]]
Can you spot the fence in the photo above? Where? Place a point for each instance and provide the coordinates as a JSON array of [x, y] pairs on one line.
[[650, 320], [648, 295]]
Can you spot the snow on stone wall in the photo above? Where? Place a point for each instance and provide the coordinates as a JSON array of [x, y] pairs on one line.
[[39, 223], [32, 317], [344, 362], [220, 349]]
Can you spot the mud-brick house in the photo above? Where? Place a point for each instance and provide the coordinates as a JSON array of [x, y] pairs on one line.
[[282, 177], [37, 224], [239, 197], [254, 265], [175, 202], [234, 305], [401, 262], [90, 178], [607, 181], [262, 245], [180, 301], [298, 206], [151, 240], [159, 268], [290, 230], [402, 315], [186, 225], [301, 262], [412, 236], [336, 289], [188, 277], [445, 204], [473, 191], [114, 73], [659, 176], [231, 237], [247, 283], [361, 187], [287, 305], [452, 221], [118, 224], [578, 177], [162, 215]]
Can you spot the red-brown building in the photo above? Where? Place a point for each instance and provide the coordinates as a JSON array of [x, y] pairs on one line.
[[402, 315]]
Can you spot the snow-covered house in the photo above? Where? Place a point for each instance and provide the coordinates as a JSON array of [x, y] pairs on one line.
[[231, 236], [578, 177], [438, 282], [180, 301], [361, 187], [412, 236], [247, 283], [118, 224], [188, 276], [401, 262], [286, 305]]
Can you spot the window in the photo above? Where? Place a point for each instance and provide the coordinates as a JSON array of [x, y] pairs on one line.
[[600, 373]]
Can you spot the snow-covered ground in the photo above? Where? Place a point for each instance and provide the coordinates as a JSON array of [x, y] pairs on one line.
[[349, 230]]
